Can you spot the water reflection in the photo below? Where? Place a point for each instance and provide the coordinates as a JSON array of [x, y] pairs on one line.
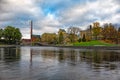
[[9, 54], [101, 56], [60, 55], [100, 59], [50, 63], [95, 59]]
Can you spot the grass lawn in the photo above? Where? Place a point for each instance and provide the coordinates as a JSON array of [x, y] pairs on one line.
[[93, 43]]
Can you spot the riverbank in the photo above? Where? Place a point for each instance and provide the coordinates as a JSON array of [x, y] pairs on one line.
[[74, 47], [92, 47], [5, 46]]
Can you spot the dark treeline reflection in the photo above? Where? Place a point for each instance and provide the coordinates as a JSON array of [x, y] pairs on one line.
[[95, 59], [9, 54], [99, 59], [61, 55], [100, 56]]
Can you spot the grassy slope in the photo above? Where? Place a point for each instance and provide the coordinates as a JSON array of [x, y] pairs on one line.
[[93, 43]]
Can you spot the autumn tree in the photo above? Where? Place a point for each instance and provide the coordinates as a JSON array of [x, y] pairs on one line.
[[61, 36], [50, 38], [105, 31], [96, 30], [119, 29], [73, 32], [109, 32], [118, 38], [119, 32]]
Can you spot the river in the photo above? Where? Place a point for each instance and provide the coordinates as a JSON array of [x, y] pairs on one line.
[[53, 63]]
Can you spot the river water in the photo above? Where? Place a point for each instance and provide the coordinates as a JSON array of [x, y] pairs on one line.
[[51, 63]]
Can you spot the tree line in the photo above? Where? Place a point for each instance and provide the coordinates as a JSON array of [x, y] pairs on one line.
[[10, 35], [108, 32]]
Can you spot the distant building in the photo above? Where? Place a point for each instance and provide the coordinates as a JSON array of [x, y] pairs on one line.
[[89, 32], [25, 41], [36, 38]]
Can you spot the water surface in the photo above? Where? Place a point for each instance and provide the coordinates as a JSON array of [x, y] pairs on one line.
[[50, 63]]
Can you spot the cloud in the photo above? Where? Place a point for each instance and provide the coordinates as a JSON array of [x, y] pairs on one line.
[[98, 10], [49, 16]]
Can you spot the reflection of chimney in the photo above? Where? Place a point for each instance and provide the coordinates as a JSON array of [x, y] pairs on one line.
[[31, 32]]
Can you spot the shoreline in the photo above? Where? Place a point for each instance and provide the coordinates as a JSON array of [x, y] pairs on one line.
[[74, 47], [8, 46], [92, 47]]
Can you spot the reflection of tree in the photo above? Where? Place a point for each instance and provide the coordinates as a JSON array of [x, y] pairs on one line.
[[11, 54], [95, 59], [67, 55], [50, 54], [61, 55], [73, 55], [100, 58]]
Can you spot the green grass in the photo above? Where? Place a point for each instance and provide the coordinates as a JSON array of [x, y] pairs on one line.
[[93, 43]]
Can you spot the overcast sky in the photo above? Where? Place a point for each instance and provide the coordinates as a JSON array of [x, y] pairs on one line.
[[51, 15]]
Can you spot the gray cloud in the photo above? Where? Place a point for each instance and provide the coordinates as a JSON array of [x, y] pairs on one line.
[[62, 13]]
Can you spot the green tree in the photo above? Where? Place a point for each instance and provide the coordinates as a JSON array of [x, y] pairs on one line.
[[12, 34], [1, 33], [17, 35]]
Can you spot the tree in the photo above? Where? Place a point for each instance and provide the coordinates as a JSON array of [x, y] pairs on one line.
[[50, 38], [105, 31], [73, 32], [119, 32], [119, 29], [118, 35], [109, 32], [112, 32], [1, 33], [12, 34], [61, 36], [96, 30], [17, 35]]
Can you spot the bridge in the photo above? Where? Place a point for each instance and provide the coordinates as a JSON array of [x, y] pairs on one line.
[[40, 44]]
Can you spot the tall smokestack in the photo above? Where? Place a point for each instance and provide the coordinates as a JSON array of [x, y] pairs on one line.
[[31, 32]]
